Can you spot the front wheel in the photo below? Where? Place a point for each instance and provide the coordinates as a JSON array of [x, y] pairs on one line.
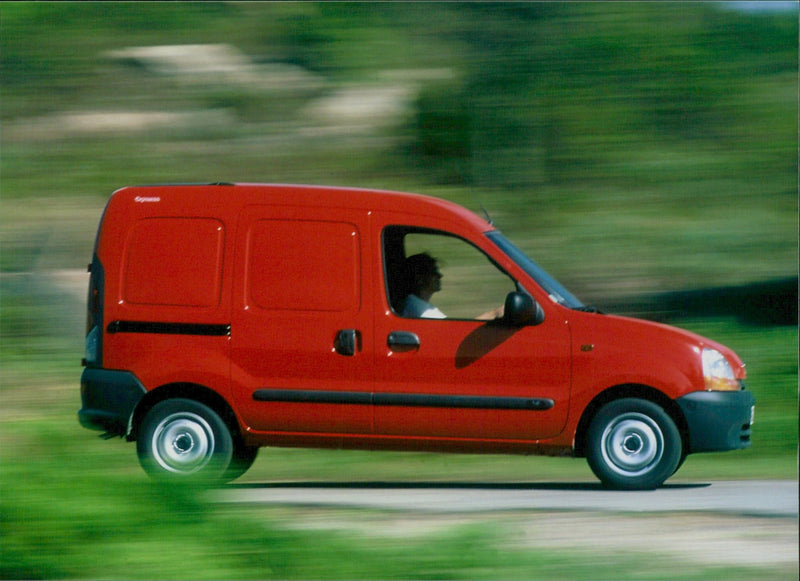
[[182, 438], [633, 444]]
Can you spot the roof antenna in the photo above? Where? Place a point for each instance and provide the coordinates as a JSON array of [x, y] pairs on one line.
[[486, 216]]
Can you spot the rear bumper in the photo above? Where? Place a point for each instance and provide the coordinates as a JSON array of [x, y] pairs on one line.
[[108, 399], [718, 420]]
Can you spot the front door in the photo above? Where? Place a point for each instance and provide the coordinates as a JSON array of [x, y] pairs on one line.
[[462, 376], [302, 325]]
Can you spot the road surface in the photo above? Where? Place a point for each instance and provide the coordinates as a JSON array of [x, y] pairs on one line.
[[705, 524], [777, 498]]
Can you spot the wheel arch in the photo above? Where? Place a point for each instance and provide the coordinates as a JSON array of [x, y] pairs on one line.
[[638, 391], [190, 391]]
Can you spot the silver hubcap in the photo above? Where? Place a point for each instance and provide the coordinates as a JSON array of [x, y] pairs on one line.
[[632, 444], [183, 443]]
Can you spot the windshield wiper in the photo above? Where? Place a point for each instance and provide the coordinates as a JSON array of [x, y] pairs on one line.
[[588, 309]]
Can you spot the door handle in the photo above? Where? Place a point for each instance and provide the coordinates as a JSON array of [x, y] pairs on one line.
[[346, 342], [402, 340]]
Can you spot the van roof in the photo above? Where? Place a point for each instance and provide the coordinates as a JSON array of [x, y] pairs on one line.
[[231, 196]]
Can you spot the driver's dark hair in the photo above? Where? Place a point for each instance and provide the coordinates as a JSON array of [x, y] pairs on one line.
[[418, 268]]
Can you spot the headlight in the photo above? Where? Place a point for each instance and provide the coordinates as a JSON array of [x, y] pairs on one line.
[[717, 372]]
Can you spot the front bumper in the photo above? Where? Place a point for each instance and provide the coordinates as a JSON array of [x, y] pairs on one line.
[[109, 398], [718, 420]]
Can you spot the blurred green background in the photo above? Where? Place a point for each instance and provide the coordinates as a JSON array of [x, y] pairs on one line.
[[638, 151]]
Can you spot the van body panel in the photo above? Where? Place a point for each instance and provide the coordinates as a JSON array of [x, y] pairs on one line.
[[172, 358], [461, 363], [301, 282], [632, 351], [181, 256], [170, 259]]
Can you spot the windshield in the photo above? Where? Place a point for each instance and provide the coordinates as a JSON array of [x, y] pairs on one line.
[[555, 289]]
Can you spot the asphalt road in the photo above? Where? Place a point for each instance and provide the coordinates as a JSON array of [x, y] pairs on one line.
[[704, 524], [774, 498]]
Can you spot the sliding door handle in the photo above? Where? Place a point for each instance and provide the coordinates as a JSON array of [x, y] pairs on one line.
[[346, 342]]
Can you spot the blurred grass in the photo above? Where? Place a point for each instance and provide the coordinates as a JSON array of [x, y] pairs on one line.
[[74, 506], [628, 148]]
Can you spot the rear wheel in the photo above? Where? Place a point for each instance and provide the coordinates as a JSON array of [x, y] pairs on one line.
[[633, 444], [182, 438], [243, 458]]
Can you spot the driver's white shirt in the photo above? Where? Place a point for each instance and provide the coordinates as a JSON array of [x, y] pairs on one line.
[[416, 308]]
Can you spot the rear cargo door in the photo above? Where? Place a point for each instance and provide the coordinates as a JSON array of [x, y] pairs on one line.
[[301, 328]]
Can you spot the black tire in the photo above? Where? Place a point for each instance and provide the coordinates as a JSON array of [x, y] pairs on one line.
[[680, 462], [184, 439], [633, 444], [243, 458]]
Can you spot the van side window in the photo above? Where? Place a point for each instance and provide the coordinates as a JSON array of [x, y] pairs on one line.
[[304, 265], [174, 261], [432, 274]]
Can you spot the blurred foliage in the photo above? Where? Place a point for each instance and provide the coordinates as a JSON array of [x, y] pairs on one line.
[[73, 519], [543, 92], [572, 88], [659, 138]]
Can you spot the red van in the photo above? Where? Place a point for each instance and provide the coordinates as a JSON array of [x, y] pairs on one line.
[[226, 317]]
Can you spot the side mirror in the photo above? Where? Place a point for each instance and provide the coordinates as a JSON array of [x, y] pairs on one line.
[[521, 309]]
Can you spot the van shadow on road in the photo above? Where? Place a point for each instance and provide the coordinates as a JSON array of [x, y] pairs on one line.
[[741, 498], [437, 485]]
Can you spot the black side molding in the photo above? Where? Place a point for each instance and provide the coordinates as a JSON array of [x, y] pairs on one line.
[[462, 401], [168, 328], [312, 396], [403, 399]]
